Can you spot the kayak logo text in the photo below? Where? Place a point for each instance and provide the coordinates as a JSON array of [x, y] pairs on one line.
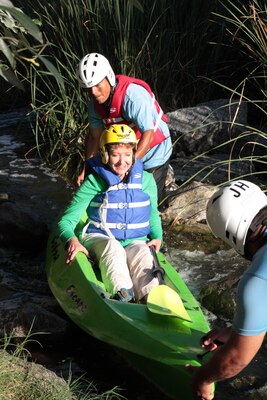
[[71, 291]]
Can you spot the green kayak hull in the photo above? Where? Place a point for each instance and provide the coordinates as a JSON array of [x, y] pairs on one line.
[[158, 346]]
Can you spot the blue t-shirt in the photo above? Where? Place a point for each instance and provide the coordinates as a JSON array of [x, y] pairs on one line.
[[251, 311], [139, 108]]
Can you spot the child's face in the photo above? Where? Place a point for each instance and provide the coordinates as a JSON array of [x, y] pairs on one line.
[[121, 158]]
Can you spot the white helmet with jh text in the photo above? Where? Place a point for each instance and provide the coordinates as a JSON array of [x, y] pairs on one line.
[[231, 209]]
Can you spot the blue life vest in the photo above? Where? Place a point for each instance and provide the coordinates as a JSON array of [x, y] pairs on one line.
[[123, 210]]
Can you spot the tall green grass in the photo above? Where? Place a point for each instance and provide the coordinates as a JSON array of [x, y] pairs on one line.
[[21, 46], [245, 26], [188, 51], [246, 30], [166, 43]]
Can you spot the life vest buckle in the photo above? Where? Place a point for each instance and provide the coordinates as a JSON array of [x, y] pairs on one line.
[[122, 205], [121, 226]]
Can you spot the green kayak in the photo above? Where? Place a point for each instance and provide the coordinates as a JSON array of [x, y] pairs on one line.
[[158, 346]]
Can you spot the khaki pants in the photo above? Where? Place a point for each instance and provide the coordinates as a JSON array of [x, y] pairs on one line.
[[122, 267]]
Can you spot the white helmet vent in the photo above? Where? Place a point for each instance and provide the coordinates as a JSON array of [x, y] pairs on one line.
[[92, 69]]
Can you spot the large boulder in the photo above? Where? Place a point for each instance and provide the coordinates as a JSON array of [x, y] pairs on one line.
[[198, 129], [187, 204], [26, 301]]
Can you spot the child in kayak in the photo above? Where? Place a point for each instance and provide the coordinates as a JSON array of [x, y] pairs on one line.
[[121, 203]]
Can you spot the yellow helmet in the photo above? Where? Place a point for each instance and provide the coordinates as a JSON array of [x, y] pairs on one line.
[[122, 134]]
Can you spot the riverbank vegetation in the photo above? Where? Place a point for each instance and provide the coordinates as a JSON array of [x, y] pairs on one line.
[[189, 52], [21, 379], [21, 48], [143, 40], [245, 27]]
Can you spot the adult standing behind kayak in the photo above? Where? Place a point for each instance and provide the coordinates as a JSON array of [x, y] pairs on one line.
[[116, 99], [237, 213], [120, 200]]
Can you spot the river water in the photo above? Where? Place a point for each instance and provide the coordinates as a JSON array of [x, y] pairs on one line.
[[27, 180]]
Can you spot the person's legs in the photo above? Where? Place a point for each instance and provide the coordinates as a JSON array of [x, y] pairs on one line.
[[140, 262], [160, 175], [111, 258]]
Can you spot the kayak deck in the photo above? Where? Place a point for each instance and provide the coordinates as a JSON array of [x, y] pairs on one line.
[[156, 345]]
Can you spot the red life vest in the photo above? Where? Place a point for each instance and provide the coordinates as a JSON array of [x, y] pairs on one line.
[[114, 115]]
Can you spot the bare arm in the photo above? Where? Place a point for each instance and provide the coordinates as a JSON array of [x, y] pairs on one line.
[[144, 143], [92, 142], [91, 148], [226, 362]]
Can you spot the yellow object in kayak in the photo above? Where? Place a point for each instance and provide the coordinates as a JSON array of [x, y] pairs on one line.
[[164, 300]]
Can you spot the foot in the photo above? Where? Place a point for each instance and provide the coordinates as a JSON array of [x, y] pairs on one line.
[[124, 296]]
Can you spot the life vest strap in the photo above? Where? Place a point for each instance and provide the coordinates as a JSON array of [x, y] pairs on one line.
[[121, 205], [111, 225], [122, 186]]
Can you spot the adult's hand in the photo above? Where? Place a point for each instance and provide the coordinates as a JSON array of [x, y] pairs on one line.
[[203, 391], [215, 338], [155, 243], [80, 178], [91, 144], [228, 361], [73, 247]]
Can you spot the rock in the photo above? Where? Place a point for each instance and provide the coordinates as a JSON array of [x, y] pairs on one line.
[[220, 297], [187, 205], [198, 129], [19, 229], [214, 170], [20, 315], [26, 300]]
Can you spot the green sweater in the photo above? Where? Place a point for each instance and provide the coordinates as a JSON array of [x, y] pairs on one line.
[[94, 184]]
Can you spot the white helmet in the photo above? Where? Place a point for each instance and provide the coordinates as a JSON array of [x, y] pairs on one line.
[[231, 210], [92, 69]]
